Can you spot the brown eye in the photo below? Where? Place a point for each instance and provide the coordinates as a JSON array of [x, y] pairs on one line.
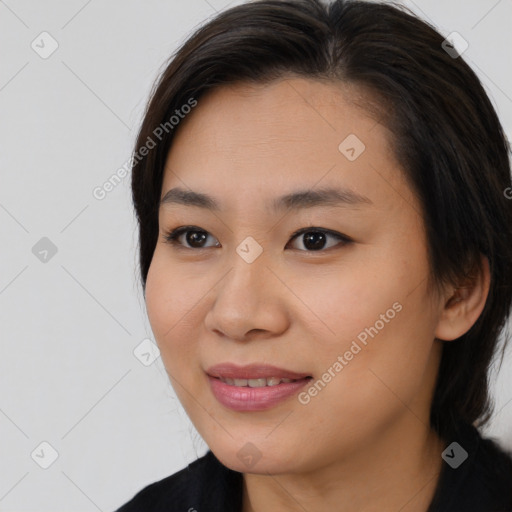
[[313, 239], [193, 236]]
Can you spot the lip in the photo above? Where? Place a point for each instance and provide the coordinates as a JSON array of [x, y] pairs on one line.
[[243, 398], [252, 371]]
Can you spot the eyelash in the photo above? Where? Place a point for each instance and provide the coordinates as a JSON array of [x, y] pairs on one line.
[[171, 237]]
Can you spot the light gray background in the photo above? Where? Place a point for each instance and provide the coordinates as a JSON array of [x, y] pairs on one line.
[[68, 327]]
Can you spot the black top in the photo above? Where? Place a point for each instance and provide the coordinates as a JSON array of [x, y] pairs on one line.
[[482, 482]]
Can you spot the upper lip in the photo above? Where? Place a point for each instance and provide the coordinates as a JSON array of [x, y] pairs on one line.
[[252, 371]]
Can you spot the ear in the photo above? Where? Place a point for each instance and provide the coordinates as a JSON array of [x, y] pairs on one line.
[[464, 304]]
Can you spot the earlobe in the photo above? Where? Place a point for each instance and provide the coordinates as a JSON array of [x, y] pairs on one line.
[[465, 303]]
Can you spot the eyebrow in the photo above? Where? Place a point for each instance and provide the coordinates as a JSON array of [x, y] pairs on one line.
[[295, 200]]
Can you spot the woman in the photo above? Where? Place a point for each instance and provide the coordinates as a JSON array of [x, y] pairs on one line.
[[326, 258]]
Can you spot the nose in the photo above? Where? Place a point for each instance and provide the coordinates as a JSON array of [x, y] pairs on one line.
[[248, 302]]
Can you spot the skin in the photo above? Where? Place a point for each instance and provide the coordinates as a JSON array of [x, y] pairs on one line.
[[364, 440]]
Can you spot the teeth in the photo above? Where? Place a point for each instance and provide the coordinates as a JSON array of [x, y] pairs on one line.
[[255, 383]]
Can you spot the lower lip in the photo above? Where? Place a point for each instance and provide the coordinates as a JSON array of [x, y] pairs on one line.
[[244, 398]]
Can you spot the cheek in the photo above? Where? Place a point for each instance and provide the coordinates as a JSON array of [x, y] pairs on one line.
[[159, 298], [341, 304], [386, 360], [378, 317], [171, 302]]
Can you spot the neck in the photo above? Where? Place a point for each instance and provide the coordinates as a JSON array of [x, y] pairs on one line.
[[399, 470]]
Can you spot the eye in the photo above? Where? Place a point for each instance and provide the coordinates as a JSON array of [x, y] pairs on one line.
[[194, 236], [313, 239]]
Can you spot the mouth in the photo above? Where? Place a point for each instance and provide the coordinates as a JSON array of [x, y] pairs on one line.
[[259, 382], [254, 375], [254, 387]]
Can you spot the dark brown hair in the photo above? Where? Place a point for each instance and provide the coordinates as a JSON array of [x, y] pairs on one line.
[[447, 138]]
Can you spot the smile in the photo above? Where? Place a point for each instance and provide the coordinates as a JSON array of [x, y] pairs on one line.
[[256, 383]]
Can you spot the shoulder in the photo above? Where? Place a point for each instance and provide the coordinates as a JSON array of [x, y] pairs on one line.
[[205, 484], [477, 478]]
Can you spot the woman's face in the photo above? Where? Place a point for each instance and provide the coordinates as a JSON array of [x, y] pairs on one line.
[[352, 313]]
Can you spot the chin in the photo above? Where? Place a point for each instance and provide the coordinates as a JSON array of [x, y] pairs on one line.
[[257, 458]]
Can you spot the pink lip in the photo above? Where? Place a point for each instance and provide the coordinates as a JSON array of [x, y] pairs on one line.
[[252, 371], [244, 398]]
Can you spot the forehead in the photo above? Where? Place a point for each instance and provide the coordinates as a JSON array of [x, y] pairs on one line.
[[286, 135]]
